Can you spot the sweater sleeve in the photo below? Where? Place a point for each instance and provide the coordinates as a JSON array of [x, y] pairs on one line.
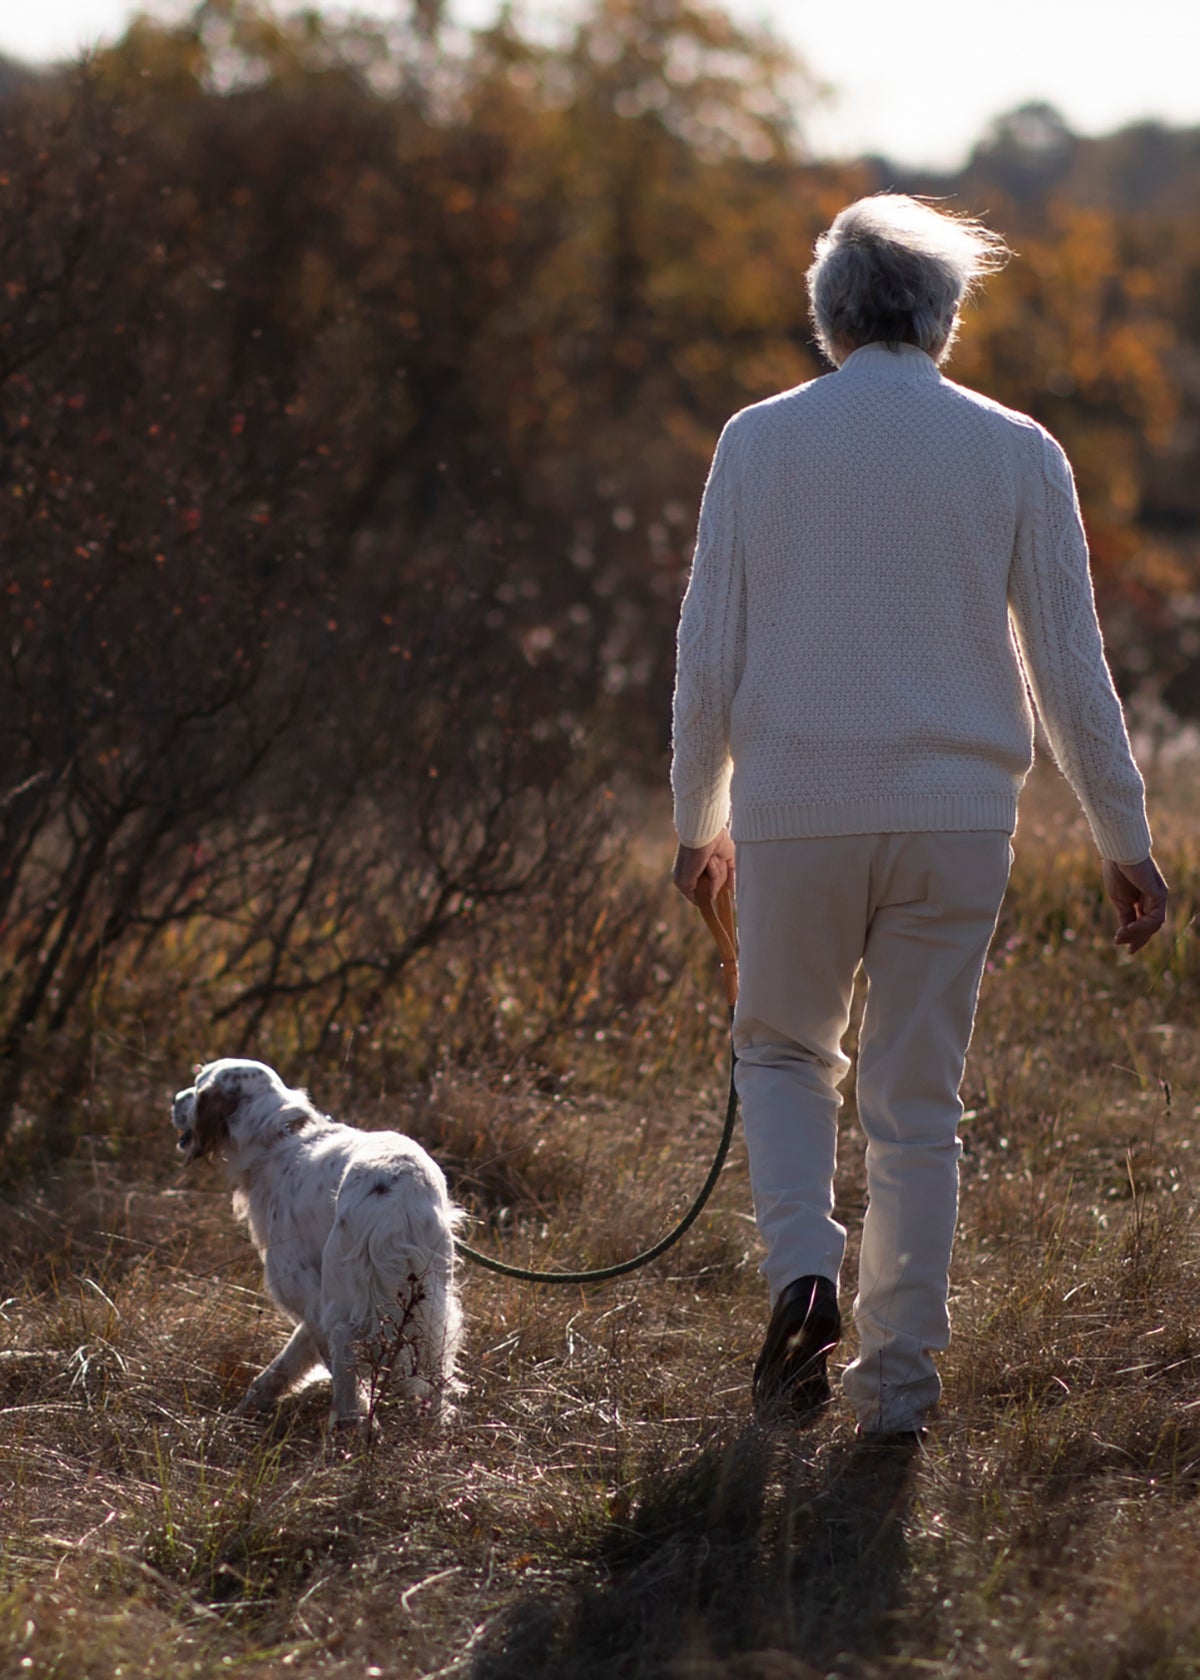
[[710, 654], [1058, 635]]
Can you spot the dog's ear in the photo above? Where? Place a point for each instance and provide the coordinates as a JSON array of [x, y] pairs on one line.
[[215, 1107]]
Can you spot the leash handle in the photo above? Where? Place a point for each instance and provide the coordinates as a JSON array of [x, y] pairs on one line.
[[717, 910]]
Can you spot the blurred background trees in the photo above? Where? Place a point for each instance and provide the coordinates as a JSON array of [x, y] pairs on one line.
[[357, 386]]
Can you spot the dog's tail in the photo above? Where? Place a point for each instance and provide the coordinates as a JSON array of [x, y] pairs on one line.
[[393, 1243]]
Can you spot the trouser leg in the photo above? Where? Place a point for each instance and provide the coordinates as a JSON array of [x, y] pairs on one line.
[[802, 912], [937, 898]]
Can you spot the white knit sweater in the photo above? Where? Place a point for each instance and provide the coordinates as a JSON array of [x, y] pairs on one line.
[[886, 563]]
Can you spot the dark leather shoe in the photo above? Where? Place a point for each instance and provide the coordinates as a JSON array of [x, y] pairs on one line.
[[805, 1326]]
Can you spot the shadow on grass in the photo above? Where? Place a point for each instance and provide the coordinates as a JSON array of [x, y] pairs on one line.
[[758, 1556]]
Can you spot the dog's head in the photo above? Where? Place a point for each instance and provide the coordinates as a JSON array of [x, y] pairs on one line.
[[206, 1114]]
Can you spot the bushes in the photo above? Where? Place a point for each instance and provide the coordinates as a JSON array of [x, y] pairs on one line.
[[235, 691]]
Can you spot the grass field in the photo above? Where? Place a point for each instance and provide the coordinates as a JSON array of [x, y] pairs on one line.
[[602, 1504]]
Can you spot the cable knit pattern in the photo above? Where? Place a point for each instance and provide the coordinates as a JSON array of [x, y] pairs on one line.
[[883, 557]]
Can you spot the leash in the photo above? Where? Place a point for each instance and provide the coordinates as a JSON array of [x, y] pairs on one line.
[[719, 918]]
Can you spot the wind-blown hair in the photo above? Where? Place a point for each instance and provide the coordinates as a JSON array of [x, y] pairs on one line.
[[893, 270]]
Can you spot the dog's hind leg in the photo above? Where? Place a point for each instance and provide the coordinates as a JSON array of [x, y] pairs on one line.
[[345, 1408], [292, 1362]]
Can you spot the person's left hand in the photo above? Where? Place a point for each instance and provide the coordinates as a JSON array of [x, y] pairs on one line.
[[1140, 895], [715, 859]]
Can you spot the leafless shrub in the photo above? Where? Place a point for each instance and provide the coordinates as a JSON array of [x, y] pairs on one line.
[[249, 681]]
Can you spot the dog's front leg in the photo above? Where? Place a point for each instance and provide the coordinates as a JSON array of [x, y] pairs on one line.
[[293, 1361]]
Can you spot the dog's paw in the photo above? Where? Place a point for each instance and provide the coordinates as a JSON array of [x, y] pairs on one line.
[[349, 1438], [254, 1405]]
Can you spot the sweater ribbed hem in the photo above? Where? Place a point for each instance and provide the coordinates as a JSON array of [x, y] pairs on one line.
[[899, 814]]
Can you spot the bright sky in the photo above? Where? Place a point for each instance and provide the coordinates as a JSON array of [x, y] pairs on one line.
[[919, 85]]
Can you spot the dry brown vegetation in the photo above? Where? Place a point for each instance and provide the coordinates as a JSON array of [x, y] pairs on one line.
[[602, 1504]]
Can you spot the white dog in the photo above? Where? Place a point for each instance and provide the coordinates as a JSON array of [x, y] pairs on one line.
[[355, 1229]]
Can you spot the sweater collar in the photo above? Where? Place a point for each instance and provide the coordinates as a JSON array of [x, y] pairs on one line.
[[899, 362]]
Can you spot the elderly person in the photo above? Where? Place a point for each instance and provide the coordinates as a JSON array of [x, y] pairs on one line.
[[888, 567]]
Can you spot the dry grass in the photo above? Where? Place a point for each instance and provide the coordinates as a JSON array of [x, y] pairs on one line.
[[602, 1505]]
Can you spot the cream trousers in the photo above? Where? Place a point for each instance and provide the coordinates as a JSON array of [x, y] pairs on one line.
[[917, 911]]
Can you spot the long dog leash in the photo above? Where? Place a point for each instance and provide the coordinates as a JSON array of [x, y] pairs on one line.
[[719, 918]]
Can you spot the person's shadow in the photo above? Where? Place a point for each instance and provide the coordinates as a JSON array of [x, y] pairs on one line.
[[763, 1557]]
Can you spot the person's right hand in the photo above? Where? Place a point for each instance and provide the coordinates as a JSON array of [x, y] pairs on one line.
[[715, 860], [1140, 895]]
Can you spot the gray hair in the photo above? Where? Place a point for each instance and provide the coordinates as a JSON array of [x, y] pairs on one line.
[[894, 270]]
